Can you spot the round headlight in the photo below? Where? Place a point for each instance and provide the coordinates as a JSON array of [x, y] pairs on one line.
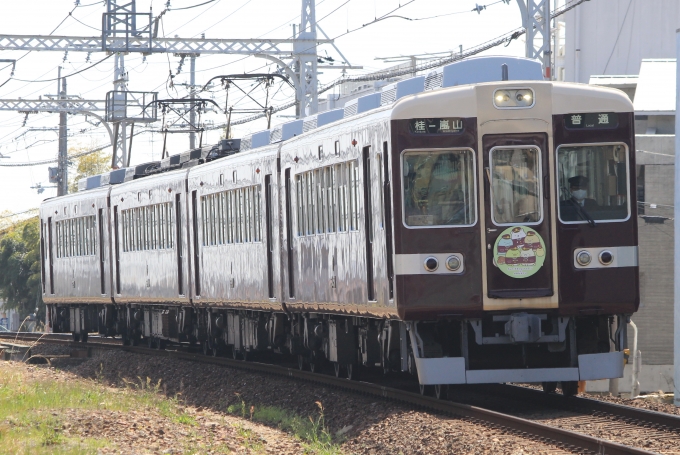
[[520, 97], [583, 258], [431, 264], [453, 263], [606, 257]]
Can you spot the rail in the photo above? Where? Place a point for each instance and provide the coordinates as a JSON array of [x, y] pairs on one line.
[[562, 438]]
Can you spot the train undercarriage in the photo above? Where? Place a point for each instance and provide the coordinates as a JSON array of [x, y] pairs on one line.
[[517, 347]]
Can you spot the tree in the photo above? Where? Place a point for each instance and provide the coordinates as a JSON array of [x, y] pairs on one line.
[[20, 280], [87, 165]]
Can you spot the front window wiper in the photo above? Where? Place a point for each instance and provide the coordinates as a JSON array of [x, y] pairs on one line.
[[582, 212]]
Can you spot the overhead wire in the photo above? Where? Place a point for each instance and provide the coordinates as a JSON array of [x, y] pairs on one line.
[[507, 37]]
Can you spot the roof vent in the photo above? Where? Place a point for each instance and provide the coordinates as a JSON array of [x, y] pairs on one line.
[[329, 117], [291, 129], [368, 102], [260, 139], [309, 124], [434, 80], [351, 108]]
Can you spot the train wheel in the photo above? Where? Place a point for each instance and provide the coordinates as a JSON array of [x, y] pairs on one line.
[[549, 387], [149, 342], [206, 348], [441, 391], [351, 374], [234, 353], [83, 337], [214, 350], [160, 344], [426, 390], [336, 368], [246, 356], [569, 388], [76, 337], [301, 362]]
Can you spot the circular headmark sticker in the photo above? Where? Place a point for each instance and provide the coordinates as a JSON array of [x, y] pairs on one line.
[[519, 252]]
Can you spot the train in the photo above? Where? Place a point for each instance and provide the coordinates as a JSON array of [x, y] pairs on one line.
[[474, 225]]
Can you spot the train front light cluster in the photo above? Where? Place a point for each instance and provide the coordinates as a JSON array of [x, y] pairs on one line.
[[514, 98]]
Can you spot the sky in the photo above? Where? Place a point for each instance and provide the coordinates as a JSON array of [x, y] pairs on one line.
[[422, 26]]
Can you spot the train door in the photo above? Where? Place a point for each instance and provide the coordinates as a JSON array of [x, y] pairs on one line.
[[102, 278], [368, 222], [269, 239], [117, 247], [49, 253], [289, 234], [178, 226], [197, 270], [518, 222]]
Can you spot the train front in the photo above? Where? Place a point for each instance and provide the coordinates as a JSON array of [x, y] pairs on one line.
[[515, 231]]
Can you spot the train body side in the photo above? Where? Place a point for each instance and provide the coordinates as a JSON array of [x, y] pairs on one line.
[[150, 257], [76, 248]]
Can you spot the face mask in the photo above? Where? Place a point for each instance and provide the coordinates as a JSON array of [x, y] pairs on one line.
[[579, 195]]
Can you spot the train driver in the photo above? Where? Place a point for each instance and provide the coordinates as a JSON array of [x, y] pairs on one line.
[[578, 207]]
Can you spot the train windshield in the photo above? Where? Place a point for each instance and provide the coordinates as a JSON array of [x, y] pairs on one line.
[[593, 183], [439, 188], [516, 189]]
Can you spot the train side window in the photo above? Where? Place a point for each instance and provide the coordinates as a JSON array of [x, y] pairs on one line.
[[378, 157], [258, 213], [341, 186], [593, 183], [320, 152], [320, 206], [438, 188], [353, 178], [329, 180], [337, 148], [298, 197], [516, 185]]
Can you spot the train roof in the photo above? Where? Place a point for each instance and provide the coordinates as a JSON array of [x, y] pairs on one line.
[[565, 98], [409, 98]]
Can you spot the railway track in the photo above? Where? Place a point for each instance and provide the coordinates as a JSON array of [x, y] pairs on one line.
[[654, 425]]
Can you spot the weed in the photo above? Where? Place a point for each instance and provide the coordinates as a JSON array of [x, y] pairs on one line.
[[316, 437]]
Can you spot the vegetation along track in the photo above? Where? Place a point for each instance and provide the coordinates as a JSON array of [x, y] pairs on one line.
[[554, 434]]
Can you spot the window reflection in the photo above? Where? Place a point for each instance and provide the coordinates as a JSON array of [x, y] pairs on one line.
[[593, 183], [439, 188], [516, 177]]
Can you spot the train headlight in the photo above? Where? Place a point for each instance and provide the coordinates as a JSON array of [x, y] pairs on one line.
[[606, 257], [431, 264], [583, 258], [514, 98], [453, 263]]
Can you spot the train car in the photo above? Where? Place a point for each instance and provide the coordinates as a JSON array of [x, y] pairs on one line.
[[75, 251], [465, 231]]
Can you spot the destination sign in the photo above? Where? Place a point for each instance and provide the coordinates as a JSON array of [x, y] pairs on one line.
[[436, 125], [595, 121]]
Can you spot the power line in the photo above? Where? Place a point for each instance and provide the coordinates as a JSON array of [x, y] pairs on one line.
[[68, 75]]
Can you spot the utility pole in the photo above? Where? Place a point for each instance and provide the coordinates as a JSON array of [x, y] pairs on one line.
[[536, 22], [62, 185], [305, 54], [192, 112], [676, 281]]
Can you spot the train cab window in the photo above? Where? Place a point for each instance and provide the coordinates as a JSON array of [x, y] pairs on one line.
[[439, 188], [516, 185], [593, 183]]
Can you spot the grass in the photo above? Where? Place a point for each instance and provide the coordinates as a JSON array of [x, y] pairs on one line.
[[31, 421], [312, 431]]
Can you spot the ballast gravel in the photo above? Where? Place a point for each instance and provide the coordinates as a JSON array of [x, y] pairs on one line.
[[359, 424]]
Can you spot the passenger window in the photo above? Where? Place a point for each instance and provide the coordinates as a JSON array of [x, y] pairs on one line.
[[593, 183], [439, 188], [516, 185]]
